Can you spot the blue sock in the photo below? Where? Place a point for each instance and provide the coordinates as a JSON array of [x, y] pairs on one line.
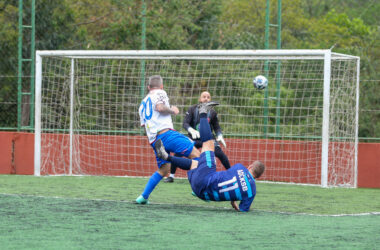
[[204, 128], [182, 163], [152, 183]]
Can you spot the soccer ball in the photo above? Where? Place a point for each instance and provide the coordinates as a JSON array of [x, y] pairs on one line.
[[260, 82]]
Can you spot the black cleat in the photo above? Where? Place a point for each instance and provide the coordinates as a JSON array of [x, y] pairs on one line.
[[169, 179], [206, 107], [160, 150]]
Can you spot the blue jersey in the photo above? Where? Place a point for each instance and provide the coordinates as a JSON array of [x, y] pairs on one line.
[[234, 184]]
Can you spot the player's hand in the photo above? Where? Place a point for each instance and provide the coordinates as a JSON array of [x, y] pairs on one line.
[[194, 133], [220, 139], [175, 110], [234, 205]]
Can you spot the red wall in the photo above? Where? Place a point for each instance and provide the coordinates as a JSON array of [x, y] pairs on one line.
[[17, 157], [6, 153], [16, 153], [369, 165]]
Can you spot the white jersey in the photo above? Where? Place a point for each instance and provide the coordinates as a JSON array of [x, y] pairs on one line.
[[153, 120]]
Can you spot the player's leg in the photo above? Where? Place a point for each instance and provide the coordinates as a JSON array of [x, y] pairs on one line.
[[204, 126], [178, 143], [194, 154], [163, 170], [183, 163], [222, 157], [152, 183], [208, 146], [173, 169], [199, 177], [206, 165]]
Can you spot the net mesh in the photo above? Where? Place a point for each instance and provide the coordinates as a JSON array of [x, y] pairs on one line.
[[281, 125]]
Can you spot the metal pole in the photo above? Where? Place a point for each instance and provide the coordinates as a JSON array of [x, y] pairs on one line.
[[19, 74], [278, 71], [37, 128], [143, 47], [279, 24], [266, 70], [326, 119], [32, 63], [267, 25], [71, 133], [356, 122]]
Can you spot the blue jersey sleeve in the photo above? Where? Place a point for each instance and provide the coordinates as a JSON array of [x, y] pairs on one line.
[[245, 204]]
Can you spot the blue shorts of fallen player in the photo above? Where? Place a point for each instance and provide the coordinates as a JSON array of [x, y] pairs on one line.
[[198, 177]]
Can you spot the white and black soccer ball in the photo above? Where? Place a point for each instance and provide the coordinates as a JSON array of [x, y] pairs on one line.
[[260, 82]]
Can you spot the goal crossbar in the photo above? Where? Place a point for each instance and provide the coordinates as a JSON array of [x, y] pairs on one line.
[[198, 54]]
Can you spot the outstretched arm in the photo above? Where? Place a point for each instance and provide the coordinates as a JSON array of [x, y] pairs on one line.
[[245, 204]]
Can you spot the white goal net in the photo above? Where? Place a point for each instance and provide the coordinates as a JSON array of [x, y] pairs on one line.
[[303, 126]]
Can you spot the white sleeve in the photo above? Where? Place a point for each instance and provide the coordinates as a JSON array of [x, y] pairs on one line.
[[160, 97], [142, 120]]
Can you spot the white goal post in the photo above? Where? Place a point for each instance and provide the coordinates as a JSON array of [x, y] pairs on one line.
[[303, 126]]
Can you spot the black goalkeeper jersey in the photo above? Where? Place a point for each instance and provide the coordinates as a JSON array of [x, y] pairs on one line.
[[192, 120]]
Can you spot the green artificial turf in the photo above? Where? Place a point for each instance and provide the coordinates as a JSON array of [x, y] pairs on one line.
[[100, 213]]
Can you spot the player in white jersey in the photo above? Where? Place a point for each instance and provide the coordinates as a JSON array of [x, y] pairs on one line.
[[153, 120], [155, 115]]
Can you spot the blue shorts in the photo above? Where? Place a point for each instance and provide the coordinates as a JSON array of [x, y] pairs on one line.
[[174, 142], [198, 177]]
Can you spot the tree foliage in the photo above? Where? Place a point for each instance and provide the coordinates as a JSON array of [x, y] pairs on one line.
[[347, 26]]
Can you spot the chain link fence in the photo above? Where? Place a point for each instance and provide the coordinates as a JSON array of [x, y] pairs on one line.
[[8, 103]]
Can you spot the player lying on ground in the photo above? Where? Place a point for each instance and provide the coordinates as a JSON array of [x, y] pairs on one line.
[[234, 184]]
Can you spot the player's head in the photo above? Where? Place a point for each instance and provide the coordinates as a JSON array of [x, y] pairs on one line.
[[205, 97], [155, 82], [257, 168]]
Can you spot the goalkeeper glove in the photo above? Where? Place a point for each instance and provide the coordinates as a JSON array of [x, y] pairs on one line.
[[220, 139], [194, 133]]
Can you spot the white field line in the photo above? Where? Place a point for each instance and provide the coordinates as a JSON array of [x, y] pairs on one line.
[[185, 178], [201, 206]]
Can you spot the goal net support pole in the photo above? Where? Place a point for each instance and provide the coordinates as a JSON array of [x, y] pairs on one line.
[[326, 119]]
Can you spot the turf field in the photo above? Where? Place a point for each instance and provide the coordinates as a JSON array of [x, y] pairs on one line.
[[100, 213]]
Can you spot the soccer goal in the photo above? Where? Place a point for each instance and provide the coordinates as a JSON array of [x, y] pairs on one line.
[[303, 126]]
